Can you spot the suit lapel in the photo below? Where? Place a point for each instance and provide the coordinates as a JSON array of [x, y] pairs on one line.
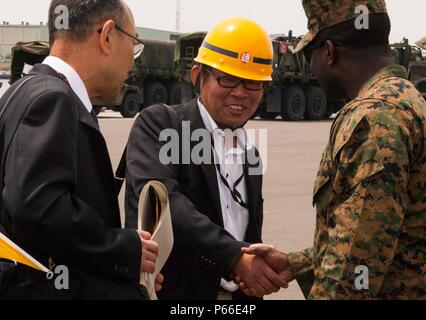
[[85, 117], [253, 192], [209, 170], [253, 185], [211, 178], [83, 114], [96, 140]]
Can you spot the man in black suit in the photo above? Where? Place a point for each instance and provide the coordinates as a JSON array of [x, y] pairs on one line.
[[216, 206], [59, 199]]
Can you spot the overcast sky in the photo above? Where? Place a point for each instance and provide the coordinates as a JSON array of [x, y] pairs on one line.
[[277, 16]]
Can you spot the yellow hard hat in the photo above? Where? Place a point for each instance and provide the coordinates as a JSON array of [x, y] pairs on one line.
[[239, 47]]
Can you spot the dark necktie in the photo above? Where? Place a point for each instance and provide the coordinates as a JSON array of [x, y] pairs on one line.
[[94, 116]]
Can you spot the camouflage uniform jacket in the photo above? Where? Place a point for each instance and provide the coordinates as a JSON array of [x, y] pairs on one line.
[[370, 197]]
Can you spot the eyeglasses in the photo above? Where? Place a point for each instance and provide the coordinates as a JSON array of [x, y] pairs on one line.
[[138, 44], [316, 45], [232, 82]]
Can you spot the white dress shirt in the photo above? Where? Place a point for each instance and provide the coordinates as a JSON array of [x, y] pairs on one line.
[[231, 158], [74, 80]]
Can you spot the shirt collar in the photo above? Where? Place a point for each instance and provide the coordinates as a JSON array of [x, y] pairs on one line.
[[209, 122], [74, 80], [212, 126], [387, 72]]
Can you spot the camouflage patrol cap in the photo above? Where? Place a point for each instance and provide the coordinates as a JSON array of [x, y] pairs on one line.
[[323, 14], [422, 43]]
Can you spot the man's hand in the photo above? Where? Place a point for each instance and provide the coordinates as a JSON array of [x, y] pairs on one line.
[[149, 252], [158, 282], [276, 259], [258, 277]]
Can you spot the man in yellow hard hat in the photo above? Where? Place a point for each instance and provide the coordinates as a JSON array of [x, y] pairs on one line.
[[216, 206]]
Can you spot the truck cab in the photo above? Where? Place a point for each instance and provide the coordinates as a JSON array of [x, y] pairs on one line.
[[411, 57], [186, 50]]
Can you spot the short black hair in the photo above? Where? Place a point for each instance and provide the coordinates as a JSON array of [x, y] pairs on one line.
[[83, 16], [345, 33], [203, 74]]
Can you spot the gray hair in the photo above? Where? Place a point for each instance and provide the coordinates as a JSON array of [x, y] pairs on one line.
[[82, 16]]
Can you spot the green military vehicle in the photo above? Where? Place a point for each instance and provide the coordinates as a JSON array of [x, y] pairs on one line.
[[186, 50], [162, 74], [411, 57], [26, 54], [153, 79], [294, 94]]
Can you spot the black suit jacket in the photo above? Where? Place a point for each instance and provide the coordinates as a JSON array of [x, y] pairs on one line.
[[59, 194], [203, 250]]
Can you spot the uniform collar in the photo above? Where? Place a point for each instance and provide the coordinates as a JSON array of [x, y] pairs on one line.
[[390, 71]]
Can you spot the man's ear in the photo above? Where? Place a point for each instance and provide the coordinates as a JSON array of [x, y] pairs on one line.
[[105, 36], [195, 73], [331, 52]]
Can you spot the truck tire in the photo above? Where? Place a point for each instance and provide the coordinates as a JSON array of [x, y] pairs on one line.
[[130, 106], [155, 93], [293, 104], [316, 104], [175, 93]]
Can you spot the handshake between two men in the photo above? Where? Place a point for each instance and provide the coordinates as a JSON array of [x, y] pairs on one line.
[[262, 270]]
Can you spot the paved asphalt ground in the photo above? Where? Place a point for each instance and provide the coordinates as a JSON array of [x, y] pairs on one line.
[[293, 154]]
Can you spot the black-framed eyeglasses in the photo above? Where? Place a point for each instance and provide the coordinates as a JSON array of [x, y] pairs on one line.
[[232, 82], [317, 45], [138, 44]]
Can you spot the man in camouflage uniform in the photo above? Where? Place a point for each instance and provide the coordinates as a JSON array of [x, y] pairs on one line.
[[370, 193]]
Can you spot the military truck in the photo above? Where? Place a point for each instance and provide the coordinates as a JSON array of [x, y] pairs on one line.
[[411, 57], [185, 52], [25, 54], [152, 80], [294, 94]]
